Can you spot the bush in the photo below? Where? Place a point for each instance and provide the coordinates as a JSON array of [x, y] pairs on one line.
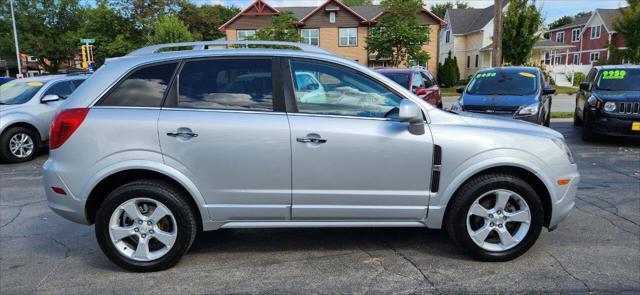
[[578, 78], [449, 73]]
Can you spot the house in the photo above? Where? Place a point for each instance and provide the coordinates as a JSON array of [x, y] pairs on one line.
[[589, 36], [334, 26]]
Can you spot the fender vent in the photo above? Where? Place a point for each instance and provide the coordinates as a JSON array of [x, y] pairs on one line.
[[437, 165]]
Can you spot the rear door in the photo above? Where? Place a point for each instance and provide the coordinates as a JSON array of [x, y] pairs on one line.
[[224, 126]]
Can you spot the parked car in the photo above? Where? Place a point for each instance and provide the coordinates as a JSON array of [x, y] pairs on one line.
[[5, 80], [27, 107], [608, 102], [172, 156], [512, 92], [420, 81]]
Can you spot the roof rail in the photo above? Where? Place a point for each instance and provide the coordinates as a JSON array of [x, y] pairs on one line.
[[207, 45]]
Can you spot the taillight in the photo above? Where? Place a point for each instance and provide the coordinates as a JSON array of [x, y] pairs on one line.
[[64, 124]]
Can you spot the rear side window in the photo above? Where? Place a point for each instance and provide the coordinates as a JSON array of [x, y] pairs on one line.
[[226, 84], [145, 87], [77, 83]]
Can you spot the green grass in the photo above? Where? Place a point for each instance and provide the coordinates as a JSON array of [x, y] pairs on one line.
[[561, 115], [566, 90]]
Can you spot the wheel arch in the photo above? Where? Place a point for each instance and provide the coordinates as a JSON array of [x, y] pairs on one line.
[[109, 183], [24, 124]]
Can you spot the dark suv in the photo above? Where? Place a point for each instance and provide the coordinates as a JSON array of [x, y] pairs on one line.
[[420, 81], [608, 102]]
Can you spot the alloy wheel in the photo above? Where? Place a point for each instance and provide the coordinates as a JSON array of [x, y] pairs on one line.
[[21, 145]]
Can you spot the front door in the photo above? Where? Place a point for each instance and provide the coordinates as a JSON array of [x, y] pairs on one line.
[[219, 127], [352, 160]]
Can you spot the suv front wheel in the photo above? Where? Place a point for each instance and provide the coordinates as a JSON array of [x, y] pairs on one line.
[[145, 226], [18, 144], [496, 217]]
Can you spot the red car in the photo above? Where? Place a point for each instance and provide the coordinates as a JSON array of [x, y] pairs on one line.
[[418, 80]]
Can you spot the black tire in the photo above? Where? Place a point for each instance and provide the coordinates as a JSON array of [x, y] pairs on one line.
[[547, 120], [159, 191], [456, 215], [6, 155], [576, 120], [587, 133]]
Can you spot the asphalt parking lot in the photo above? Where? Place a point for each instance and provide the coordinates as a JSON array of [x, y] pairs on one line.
[[597, 249]]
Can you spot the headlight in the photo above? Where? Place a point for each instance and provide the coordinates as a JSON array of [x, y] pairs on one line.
[[564, 147], [529, 110], [594, 102], [610, 106], [457, 106]]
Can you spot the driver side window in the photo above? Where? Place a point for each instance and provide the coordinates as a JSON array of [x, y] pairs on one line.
[[330, 90]]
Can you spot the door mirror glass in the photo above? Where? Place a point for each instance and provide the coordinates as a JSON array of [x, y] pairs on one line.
[[548, 91], [50, 98], [421, 91], [410, 112], [585, 86]]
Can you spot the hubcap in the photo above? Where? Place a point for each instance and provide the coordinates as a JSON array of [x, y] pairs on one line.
[[498, 220], [143, 229], [21, 145]]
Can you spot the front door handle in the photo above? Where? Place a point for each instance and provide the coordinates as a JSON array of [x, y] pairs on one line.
[[183, 132], [311, 140]]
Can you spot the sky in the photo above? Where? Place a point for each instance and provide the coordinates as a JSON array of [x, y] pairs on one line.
[[551, 9]]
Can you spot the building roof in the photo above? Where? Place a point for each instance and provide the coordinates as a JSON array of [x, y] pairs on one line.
[[367, 11], [608, 16], [464, 21], [577, 22], [298, 12]]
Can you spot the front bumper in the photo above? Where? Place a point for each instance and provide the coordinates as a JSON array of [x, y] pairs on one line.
[[67, 205], [565, 195], [612, 125]]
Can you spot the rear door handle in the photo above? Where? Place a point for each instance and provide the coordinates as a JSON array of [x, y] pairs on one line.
[[311, 140], [183, 132]]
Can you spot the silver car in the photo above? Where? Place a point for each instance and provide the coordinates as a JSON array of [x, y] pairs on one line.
[[26, 109], [156, 147]]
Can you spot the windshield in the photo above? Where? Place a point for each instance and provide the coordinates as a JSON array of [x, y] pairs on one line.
[[619, 80], [18, 92], [504, 83], [400, 78]]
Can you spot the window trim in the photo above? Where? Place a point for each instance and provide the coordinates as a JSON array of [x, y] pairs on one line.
[[332, 17], [576, 58], [347, 45], [468, 61], [244, 30], [560, 35], [292, 107], [592, 54], [447, 36], [309, 29], [126, 75], [599, 32], [573, 34], [477, 60]]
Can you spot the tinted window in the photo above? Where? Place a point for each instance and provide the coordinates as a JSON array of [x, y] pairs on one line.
[[428, 80], [18, 92], [619, 80], [418, 82], [400, 78], [342, 92], [226, 84], [77, 83], [62, 89], [143, 88], [504, 83]]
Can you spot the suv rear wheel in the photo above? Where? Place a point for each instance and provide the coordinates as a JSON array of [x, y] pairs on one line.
[[18, 144], [496, 217], [145, 226]]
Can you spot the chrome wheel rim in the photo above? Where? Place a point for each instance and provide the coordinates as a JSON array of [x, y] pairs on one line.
[[143, 229], [21, 145], [498, 220]]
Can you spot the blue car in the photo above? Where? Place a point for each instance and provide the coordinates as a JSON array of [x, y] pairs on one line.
[[5, 80], [515, 92]]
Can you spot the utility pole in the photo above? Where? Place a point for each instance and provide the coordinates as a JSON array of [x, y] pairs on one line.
[[497, 35], [15, 37]]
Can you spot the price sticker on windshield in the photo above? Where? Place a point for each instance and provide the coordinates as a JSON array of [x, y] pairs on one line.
[[485, 75], [613, 74]]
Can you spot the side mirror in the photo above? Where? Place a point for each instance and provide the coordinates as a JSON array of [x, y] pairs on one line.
[[421, 91], [410, 112], [585, 86], [460, 90], [50, 98], [548, 91]]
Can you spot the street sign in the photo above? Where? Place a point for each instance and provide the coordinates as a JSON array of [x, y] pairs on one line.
[[88, 41]]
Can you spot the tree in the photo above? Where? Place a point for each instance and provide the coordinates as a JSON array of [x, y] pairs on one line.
[[282, 29], [520, 31], [563, 21], [399, 35], [628, 26], [440, 9], [203, 21], [168, 29], [581, 14], [448, 73], [146, 12], [357, 2]]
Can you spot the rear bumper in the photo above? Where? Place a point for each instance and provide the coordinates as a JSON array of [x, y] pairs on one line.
[[66, 205]]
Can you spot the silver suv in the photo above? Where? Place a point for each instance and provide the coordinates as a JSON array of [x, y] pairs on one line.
[[156, 147], [26, 109]]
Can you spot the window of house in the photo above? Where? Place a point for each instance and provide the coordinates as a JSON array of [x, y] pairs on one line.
[[558, 59], [576, 58], [595, 32], [468, 61], [594, 56], [575, 35], [447, 36], [242, 35], [477, 60], [560, 37], [145, 87], [348, 36], [226, 84], [310, 36], [332, 17]]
